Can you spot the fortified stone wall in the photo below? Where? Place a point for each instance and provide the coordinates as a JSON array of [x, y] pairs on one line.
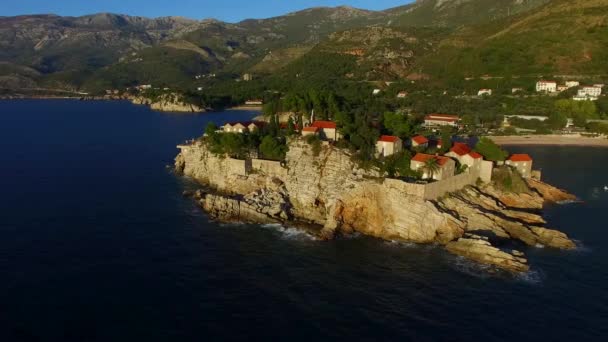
[[269, 167]]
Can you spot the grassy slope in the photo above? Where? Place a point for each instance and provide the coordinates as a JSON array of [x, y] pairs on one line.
[[565, 36]]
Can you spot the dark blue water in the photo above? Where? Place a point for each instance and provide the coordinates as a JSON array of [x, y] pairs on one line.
[[97, 244]]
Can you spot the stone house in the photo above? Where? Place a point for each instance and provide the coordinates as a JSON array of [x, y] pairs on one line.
[[521, 162], [419, 141], [465, 156], [327, 130], [446, 166], [242, 127], [306, 131], [388, 145]]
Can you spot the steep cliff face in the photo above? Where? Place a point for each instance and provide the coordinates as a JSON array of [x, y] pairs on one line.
[[329, 190]]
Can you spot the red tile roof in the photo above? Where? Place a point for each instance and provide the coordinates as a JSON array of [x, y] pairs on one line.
[[441, 117], [247, 123], [324, 124], [310, 129], [460, 149], [422, 158], [520, 158], [420, 140], [475, 155], [389, 138]]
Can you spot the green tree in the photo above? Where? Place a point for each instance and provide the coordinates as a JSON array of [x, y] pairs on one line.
[[272, 148], [490, 150], [232, 144], [210, 129], [397, 124], [446, 140], [291, 126], [431, 167]]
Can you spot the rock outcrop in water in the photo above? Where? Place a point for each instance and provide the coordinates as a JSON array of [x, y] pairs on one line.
[[330, 191], [168, 103]]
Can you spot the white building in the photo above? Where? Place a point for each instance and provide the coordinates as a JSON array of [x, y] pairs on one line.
[[591, 91], [402, 95], [446, 167], [546, 86], [376, 92], [483, 92], [242, 127], [523, 164], [572, 84], [433, 120], [388, 145]]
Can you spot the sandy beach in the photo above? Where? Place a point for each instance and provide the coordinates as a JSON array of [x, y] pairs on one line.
[[557, 140]]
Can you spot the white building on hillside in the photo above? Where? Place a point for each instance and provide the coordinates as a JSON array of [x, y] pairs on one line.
[[591, 91], [388, 145], [433, 120], [546, 86], [483, 92], [445, 167], [572, 84]]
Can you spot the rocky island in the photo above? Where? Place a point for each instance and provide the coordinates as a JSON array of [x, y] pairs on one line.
[[325, 188]]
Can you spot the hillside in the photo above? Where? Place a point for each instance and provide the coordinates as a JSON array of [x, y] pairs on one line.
[[562, 37], [443, 39], [454, 13]]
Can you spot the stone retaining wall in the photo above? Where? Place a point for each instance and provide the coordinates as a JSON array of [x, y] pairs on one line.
[[269, 167]]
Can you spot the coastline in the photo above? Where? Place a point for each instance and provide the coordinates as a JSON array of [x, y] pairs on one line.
[[550, 140], [247, 108]]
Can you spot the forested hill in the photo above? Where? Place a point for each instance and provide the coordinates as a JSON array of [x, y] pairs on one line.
[[425, 39]]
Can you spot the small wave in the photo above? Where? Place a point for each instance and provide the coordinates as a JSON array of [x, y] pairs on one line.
[[531, 277], [290, 233], [232, 224], [581, 247], [401, 244], [473, 268]]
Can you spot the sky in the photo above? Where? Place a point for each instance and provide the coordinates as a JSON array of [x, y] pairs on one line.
[[226, 10]]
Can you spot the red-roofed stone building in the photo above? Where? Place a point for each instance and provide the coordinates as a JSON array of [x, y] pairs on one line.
[[327, 130], [447, 166], [242, 127], [419, 141], [306, 131], [437, 120], [388, 145], [523, 164]]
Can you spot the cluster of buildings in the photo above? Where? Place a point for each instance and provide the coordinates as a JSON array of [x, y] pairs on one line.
[[585, 93], [387, 145]]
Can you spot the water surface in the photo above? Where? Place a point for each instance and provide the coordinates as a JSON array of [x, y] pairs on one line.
[[97, 244]]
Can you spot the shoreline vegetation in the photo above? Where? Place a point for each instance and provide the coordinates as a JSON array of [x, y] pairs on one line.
[[551, 140]]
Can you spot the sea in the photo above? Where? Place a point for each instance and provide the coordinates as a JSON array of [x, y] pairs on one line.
[[97, 243]]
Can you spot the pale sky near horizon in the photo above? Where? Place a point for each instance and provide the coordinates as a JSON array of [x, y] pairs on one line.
[[226, 10]]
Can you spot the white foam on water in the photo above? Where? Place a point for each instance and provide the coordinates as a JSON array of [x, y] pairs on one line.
[[580, 247], [232, 224], [533, 276], [472, 268], [402, 244], [290, 233]]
